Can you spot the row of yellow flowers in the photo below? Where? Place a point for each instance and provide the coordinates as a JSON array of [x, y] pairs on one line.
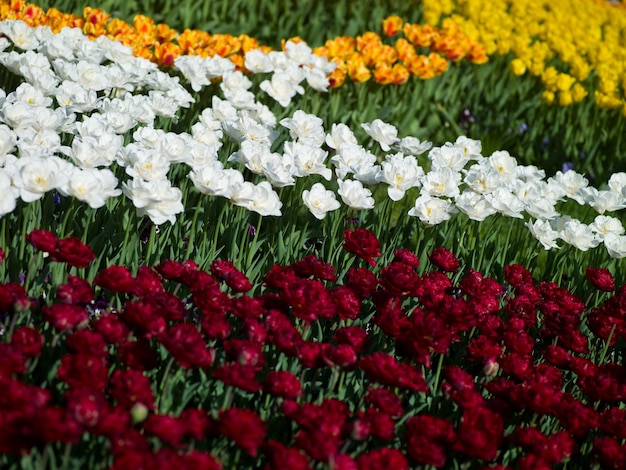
[[424, 51], [564, 42]]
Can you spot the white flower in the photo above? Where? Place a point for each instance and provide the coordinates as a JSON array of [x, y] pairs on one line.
[[278, 170], [191, 66], [351, 158], [253, 155], [441, 182], [432, 210], [307, 160], [340, 134], [482, 180], [174, 147], [413, 146], [8, 140], [305, 128], [604, 225], [506, 203], [35, 176], [617, 182], [246, 128], [76, 98], [260, 198], [20, 34], [92, 76], [222, 110], [354, 195], [604, 200], [214, 180], [91, 185], [298, 52], [316, 78], [257, 61], [474, 205], [157, 199], [448, 156], [240, 98], [470, 148], [615, 245], [385, 134], [8, 201], [579, 235], [118, 114], [26, 93], [504, 164], [401, 174], [320, 201], [281, 88], [161, 104], [32, 143], [235, 80], [147, 164], [570, 184], [543, 231]]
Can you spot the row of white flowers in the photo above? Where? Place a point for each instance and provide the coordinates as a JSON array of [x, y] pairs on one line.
[[96, 95]]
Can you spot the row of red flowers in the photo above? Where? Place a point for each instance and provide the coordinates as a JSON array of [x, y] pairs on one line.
[[177, 367]]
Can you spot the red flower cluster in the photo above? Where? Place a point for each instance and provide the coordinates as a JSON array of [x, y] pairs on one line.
[[68, 250], [317, 369]]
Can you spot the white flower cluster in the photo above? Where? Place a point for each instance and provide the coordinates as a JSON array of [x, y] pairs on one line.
[[87, 106]]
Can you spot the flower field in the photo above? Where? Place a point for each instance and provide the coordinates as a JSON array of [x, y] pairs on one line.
[[313, 235]]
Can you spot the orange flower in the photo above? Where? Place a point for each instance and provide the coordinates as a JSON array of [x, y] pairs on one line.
[[404, 49], [337, 78], [166, 53], [392, 25], [477, 54], [420, 36], [357, 69]]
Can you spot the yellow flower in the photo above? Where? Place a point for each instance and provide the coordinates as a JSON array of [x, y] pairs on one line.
[[565, 97], [564, 82], [518, 67], [548, 96], [392, 25], [578, 92]]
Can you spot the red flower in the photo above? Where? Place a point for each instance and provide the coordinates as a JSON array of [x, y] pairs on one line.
[[28, 340], [285, 458], [82, 371], [169, 429], [400, 279], [480, 433], [74, 252], [244, 427], [115, 278], [137, 355], [227, 272], [238, 376], [282, 384], [111, 328], [129, 387], [86, 342], [385, 369], [362, 243], [444, 260], [601, 278], [244, 352], [309, 299], [65, 317], [355, 336], [147, 282], [312, 266], [86, 406], [348, 302], [406, 257], [278, 277], [341, 355], [42, 240], [382, 459], [13, 298], [187, 345], [143, 318], [362, 280], [75, 291], [428, 439], [56, 424], [517, 275], [385, 400], [610, 452]]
